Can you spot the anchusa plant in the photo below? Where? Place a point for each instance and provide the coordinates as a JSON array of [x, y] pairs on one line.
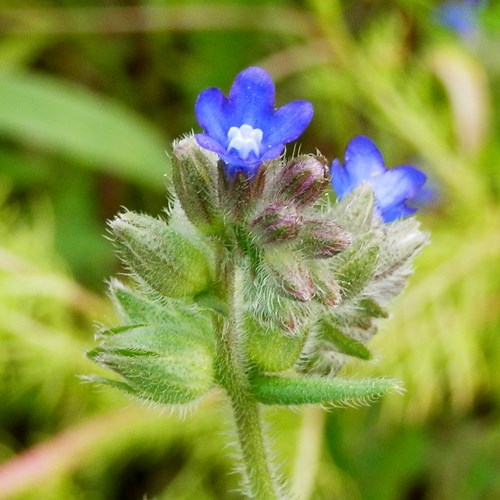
[[257, 281]]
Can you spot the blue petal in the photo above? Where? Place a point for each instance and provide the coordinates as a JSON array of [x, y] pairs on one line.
[[397, 185], [272, 152], [251, 98], [231, 159], [341, 182], [235, 164], [288, 122], [207, 142], [211, 110], [397, 212], [363, 160], [460, 17]]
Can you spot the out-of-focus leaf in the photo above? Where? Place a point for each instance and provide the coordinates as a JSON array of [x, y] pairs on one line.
[[98, 132]]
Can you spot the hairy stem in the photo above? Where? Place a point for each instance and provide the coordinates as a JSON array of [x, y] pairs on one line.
[[232, 374]]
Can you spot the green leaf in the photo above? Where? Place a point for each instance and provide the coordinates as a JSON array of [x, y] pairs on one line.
[[98, 132], [343, 343], [316, 390]]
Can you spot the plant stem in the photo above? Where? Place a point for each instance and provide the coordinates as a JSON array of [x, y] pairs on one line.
[[232, 373]]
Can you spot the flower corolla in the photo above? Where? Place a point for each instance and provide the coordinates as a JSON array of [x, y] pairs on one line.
[[392, 188], [245, 129]]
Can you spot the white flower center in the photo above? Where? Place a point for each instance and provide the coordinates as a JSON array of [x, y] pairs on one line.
[[245, 139]]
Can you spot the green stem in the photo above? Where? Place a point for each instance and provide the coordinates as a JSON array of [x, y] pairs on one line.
[[232, 374]]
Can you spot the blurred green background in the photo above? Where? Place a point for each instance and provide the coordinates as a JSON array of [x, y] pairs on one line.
[[91, 95]]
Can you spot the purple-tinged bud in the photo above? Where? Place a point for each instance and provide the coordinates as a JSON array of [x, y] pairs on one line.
[[303, 179], [239, 194], [327, 289], [323, 238], [279, 221], [296, 284], [293, 280]]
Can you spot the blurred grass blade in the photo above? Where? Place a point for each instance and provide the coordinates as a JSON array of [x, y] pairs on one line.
[[100, 133]]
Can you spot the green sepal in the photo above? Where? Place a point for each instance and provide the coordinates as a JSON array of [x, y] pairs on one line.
[[271, 348], [290, 276], [160, 257], [273, 390], [158, 364], [134, 308], [156, 339], [194, 174], [117, 384], [369, 308], [342, 342], [401, 242], [246, 243], [354, 267], [356, 210], [164, 354]]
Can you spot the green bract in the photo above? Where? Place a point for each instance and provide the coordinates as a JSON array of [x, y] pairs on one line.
[[160, 257], [164, 355]]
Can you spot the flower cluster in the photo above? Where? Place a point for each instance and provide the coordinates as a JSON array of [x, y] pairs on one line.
[[255, 282], [245, 131]]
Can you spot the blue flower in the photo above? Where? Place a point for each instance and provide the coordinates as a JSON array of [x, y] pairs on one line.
[[460, 15], [245, 129], [392, 188]]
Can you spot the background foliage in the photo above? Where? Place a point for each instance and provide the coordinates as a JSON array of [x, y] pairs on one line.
[[91, 95]]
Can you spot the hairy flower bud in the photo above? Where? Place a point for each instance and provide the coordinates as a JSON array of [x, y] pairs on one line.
[[303, 179], [279, 221], [328, 290], [157, 363], [160, 257], [292, 278], [323, 238], [271, 346], [194, 173]]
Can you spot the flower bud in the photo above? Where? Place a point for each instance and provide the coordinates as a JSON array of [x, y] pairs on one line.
[[160, 257], [165, 353], [158, 363], [303, 179], [271, 347], [194, 173], [279, 221], [292, 278], [323, 238], [327, 289]]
